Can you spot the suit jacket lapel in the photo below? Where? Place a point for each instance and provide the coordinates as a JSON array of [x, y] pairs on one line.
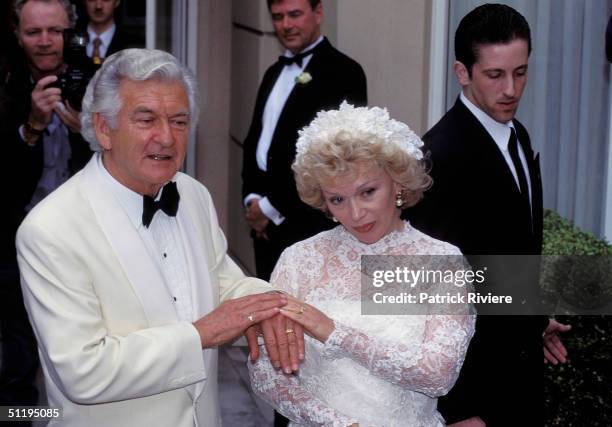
[[266, 87], [142, 273], [499, 175], [204, 295], [535, 178], [295, 100]]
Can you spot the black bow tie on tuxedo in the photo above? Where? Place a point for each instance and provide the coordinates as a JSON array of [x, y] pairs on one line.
[[168, 203], [285, 60]]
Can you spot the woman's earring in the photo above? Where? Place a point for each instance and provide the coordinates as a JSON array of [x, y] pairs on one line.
[[398, 199], [334, 219]]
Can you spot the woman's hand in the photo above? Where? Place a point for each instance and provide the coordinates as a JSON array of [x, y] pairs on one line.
[[314, 321]]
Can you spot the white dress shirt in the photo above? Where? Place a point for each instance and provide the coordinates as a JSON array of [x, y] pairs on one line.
[[163, 242], [106, 38], [274, 107], [500, 132]]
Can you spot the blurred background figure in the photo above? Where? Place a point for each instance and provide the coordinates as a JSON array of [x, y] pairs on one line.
[[40, 134], [105, 38]]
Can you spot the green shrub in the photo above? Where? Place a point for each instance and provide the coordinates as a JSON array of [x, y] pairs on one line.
[[582, 386], [561, 237]]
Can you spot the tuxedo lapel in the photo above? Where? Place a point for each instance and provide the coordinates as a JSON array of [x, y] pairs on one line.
[[266, 87], [488, 155], [204, 296], [142, 273], [116, 43], [303, 94]]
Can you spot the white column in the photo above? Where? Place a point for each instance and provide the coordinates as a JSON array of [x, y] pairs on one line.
[[191, 50], [151, 24], [438, 56], [608, 194]]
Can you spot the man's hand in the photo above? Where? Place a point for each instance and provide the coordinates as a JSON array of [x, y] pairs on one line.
[[554, 350], [470, 422], [44, 101], [256, 218], [70, 116], [233, 317]]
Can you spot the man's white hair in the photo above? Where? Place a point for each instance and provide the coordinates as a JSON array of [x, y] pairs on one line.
[[68, 7], [103, 92]]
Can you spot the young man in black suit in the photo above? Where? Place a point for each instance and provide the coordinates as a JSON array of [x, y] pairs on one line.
[[486, 199], [310, 77], [105, 38]]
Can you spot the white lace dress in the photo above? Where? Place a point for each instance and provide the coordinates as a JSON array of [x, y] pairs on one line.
[[378, 370]]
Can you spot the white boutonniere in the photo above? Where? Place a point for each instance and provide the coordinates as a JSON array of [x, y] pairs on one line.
[[303, 78]]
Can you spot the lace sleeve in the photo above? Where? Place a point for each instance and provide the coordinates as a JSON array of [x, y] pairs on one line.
[[292, 271], [288, 397], [284, 391], [430, 367]]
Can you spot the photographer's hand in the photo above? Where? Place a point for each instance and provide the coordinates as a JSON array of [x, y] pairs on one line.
[[70, 116], [44, 100]]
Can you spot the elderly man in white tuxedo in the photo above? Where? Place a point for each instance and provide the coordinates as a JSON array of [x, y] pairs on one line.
[[128, 291]]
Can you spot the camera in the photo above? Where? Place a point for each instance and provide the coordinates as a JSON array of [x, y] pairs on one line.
[[79, 71]]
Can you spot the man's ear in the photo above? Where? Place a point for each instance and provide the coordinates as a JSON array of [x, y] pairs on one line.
[[318, 11], [461, 71], [102, 131]]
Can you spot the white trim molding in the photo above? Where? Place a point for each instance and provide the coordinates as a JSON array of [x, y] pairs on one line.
[[608, 195], [151, 24], [438, 54]]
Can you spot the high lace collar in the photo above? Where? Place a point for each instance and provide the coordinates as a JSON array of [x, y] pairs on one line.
[[388, 241]]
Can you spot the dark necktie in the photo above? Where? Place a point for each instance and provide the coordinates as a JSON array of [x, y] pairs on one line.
[[285, 60], [97, 60], [168, 203], [520, 172]]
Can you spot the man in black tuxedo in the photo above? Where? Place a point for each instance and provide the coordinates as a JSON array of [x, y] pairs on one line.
[[310, 77], [486, 199], [105, 38], [41, 140]]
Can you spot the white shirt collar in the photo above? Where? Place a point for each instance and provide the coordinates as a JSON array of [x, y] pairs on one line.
[[106, 36], [130, 200], [500, 132], [290, 54]]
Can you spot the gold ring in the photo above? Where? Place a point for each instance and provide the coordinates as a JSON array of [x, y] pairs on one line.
[[289, 330], [302, 309], [250, 317]]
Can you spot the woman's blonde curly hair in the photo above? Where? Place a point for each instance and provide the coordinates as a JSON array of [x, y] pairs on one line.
[[344, 152]]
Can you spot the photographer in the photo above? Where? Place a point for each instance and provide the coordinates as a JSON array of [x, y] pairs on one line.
[[44, 146]]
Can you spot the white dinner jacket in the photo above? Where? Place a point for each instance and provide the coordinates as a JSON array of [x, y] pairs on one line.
[[112, 348]]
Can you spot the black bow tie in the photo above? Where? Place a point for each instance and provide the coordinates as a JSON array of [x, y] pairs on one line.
[[168, 203], [285, 60]]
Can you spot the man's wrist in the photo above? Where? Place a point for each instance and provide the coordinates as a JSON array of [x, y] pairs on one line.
[[33, 128]]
